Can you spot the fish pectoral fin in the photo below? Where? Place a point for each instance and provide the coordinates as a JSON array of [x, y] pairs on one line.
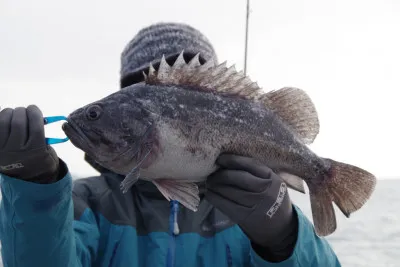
[[143, 153], [296, 109], [294, 182], [129, 180], [186, 193]]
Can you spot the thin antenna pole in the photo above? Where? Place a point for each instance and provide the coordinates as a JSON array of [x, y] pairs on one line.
[[247, 36]]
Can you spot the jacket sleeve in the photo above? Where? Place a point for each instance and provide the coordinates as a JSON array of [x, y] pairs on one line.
[[310, 250], [37, 226]]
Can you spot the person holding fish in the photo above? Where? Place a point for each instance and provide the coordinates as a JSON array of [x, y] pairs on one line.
[[233, 211]]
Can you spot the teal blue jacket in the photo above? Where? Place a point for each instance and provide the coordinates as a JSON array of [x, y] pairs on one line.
[[91, 223]]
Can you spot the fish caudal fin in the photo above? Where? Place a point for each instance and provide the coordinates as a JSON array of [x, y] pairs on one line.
[[352, 186], [323, 213], [185, 192], [349, 187]]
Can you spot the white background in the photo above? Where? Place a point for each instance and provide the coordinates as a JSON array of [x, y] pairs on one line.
[[345, 54]]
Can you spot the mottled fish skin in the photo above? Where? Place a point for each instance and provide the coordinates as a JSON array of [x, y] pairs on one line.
[[195, 127], [206, 125], [171, 128]]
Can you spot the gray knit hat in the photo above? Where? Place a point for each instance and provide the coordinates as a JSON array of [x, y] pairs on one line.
[[154, 41]]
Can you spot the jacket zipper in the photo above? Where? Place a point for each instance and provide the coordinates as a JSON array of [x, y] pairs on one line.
[[173, 231], [228, 256]]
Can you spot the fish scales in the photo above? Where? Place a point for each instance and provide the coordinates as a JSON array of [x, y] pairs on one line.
[[171, 128], [232, 125]]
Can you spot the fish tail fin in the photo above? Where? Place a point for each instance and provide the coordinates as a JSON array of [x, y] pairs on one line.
[[348, 186], [322, 212]]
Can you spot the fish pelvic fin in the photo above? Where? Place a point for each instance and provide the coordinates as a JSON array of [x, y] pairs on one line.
[[348, 186], [130, 179], [185, 192], [296, 110]]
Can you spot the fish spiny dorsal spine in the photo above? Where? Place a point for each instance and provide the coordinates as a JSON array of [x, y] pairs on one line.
[[208, 77]]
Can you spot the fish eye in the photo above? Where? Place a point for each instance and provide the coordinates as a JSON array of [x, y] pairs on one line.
[[94, 112]]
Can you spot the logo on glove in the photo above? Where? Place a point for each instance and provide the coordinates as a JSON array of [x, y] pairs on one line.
[[278, 201], [11, 167]]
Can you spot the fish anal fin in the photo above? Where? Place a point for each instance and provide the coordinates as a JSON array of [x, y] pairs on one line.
[[296, 109], [185, 192], [294, 182]]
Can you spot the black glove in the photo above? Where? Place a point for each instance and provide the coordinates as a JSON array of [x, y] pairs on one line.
[[24, 153], [255, 198]]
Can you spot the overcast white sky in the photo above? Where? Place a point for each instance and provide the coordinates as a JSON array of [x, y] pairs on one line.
[[345, 54]]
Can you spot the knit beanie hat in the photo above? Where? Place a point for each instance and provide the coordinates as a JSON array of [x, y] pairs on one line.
[[154, 41]]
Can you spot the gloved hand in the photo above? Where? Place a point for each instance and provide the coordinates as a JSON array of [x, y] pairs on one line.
[[255, 198], [24, 153]]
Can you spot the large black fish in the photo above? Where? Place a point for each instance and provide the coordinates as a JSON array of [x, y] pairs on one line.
[[171, 128]]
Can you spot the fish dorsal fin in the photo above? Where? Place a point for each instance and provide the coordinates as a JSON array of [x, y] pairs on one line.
[[292, 105], [218, 79], [296, 109]]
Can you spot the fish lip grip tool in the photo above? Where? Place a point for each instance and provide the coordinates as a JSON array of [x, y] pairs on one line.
[[51, 119]]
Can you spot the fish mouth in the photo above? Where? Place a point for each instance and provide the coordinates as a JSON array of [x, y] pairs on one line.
[[77, 136], [82, 141]]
